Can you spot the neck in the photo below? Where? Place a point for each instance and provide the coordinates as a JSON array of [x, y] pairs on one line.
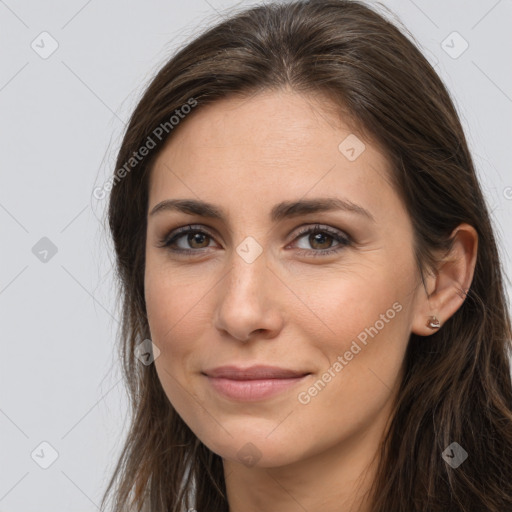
[[337, 479]]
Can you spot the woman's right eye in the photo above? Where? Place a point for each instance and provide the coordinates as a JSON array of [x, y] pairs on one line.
[[194, 235]]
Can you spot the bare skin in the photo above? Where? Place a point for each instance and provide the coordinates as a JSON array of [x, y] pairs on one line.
[[294, 306]]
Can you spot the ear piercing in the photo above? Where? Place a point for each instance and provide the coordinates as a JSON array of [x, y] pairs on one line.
[[433, 322]]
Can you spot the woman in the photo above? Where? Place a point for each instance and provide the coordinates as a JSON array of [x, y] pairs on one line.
[[309, 277]]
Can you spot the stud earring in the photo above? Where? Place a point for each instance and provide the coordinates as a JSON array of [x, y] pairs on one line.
[[433, 322]]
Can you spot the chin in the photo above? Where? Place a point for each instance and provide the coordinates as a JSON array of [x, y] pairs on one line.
[[256, 450]]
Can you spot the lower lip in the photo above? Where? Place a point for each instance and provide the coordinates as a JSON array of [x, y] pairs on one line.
[[252, 390]]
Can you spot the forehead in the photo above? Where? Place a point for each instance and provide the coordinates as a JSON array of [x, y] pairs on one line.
[[270, 146]]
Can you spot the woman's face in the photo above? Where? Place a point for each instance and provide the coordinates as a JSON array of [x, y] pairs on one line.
[[267, 277]]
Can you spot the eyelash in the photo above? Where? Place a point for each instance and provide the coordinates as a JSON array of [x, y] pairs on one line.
[[343, 240]]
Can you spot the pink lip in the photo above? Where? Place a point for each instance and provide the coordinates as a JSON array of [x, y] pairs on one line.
[[253, 383]]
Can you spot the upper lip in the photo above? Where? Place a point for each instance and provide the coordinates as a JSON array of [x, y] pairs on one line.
[[254, 372]]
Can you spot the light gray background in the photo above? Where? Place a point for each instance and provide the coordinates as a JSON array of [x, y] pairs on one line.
[[61, 119]]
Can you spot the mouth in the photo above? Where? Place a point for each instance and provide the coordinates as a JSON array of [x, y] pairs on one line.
[[253, 383]]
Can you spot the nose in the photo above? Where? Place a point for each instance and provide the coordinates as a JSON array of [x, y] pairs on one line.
[[248, 300]]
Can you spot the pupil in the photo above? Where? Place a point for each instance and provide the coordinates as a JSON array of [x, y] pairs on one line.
[[318, 238], [192, 238]]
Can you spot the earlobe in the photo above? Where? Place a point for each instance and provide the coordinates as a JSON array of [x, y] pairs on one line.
[[448, 286], [433, 322]]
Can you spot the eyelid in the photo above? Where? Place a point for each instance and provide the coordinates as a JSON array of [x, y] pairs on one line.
[[307, 228]]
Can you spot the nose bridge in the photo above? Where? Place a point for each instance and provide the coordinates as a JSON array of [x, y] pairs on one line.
[[248, 271], [248, 263], [248, 275]]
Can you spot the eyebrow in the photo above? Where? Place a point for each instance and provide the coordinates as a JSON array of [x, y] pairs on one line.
[[283, 210]]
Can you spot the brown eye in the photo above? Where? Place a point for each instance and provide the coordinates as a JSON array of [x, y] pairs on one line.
[[197, 238], [320, 240], [187, 240]]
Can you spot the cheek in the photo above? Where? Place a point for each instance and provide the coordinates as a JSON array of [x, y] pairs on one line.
[[361, 328], [173, 302], [178, 318], [175, 323], [339, 306]]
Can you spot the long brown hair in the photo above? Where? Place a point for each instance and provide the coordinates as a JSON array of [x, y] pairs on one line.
[[457, 383]]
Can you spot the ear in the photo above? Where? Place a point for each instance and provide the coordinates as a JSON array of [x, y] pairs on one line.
[[447, 286]]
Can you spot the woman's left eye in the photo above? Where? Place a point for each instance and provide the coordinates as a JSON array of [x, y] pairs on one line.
[[320, 236]]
